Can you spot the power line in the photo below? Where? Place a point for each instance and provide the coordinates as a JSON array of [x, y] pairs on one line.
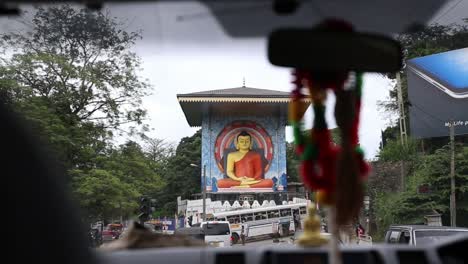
[[429, 124], [448, 10], [430, 115]]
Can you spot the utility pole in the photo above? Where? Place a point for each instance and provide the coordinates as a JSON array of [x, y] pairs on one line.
[[401, 109], [203, 188], [204, 193], [453, 208], [403, 135]]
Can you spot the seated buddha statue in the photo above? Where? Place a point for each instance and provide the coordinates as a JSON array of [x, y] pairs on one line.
[[244, 166]]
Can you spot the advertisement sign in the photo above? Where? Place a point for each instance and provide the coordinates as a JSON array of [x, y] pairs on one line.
[[438, 94]]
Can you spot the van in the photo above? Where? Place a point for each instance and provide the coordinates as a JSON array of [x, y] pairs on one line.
[[193, 232], [215, 233]]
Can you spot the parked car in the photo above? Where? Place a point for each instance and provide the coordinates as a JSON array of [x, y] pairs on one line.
[[107, 235], [421, 234]]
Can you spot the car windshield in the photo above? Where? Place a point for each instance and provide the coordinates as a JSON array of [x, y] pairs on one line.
[[170, 114], [431, 236], [216, 229]]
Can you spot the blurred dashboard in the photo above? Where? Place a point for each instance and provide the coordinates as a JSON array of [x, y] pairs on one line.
[[453, 251]]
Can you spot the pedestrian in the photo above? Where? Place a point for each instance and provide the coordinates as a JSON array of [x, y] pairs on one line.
[[189, 221], [92, 238], [276, 235], [360, 230], [297, 221], [98, 237], [243, 235]]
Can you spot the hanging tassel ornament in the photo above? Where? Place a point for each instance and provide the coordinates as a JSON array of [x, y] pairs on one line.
[[335, 173], [351, 167]]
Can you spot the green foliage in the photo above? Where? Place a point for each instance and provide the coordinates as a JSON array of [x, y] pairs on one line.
[[395, 151], [80, 63], [129, 173], [103, 195], [410, 206], [131, 165], [73, 76], [181, 178], [292, 163]]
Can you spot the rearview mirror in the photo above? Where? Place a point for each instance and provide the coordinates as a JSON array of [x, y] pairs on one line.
[[320, 51]]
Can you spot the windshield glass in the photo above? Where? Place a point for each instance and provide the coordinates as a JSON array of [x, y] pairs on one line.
[[169, 113], [216, 229], [431, 236]]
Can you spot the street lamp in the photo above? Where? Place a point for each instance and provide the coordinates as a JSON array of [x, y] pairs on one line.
[[203, 189], [366, 208], [366, 202]]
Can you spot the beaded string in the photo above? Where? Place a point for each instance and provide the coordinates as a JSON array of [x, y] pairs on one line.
[[334, 172]]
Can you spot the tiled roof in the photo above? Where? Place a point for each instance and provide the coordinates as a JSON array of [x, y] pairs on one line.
[[238, 92]]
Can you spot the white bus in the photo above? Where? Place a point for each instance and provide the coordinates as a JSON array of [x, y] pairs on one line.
[[264, 221]]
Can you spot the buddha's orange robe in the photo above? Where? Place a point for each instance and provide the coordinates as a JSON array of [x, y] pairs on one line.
[[249, 166]]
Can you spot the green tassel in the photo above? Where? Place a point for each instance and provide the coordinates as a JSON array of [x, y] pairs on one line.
[[297, 132], [359, 151], [359, 82]]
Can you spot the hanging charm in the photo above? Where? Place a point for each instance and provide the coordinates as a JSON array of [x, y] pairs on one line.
[[311, 235], [336, 173]]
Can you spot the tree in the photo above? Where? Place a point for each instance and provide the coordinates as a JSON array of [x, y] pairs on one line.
[[159, 150], [395, 151], [72, 73], [181, 178], [131, 164], [292, 163], [80, 61], [410, 206], [103, 195], [129, 173]]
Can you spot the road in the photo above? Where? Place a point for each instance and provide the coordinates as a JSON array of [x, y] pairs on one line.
[[284, 241]]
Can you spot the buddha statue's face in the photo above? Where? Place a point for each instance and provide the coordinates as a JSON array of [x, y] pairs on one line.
[[243, 142]]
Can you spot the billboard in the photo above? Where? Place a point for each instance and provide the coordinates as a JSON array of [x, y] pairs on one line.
[[438, 94], [244, 155]]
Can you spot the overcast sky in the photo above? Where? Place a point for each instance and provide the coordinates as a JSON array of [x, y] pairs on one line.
[[193, 54]]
